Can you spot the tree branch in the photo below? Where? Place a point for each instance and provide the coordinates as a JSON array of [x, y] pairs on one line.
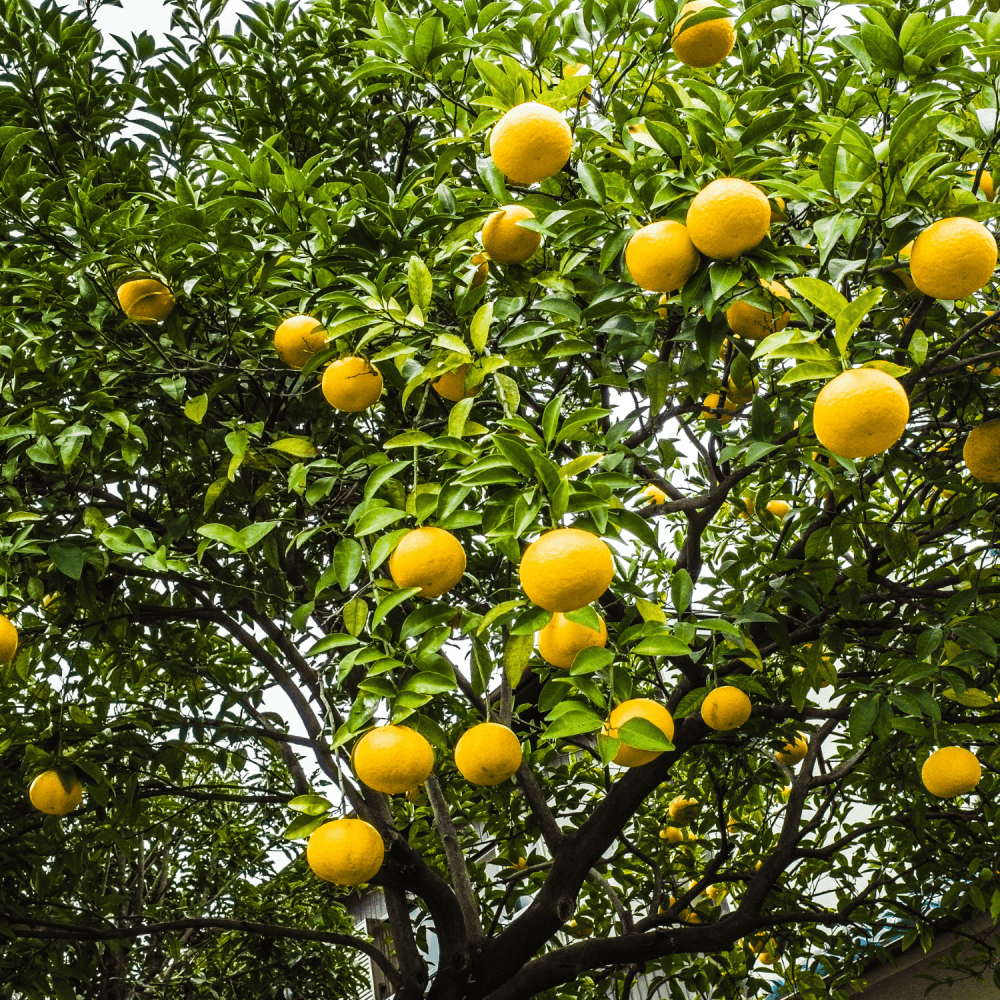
[[77, 932], [456, 860], [539, 807]]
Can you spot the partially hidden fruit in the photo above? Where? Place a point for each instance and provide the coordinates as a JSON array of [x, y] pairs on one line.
[[953, 258], [683, 810], [351, 384], [985, 183], [49, 795], [482, 265], [561, 640], [981, 453], [531, 142], [725, 708], [705, 44], [779, 213], [712, 403], [672, 835], [860, 413], [566, 569], [145, 300], [451, 385], [742, 393], [507, 242], [488, 754], [661, 257], [639, 708], [688, 916], [755, 324], [791, 753], [655, 494], [430, 558], [8, 640], [345, 851], [571, 69], [778, 508], [728, 217], [298, 338], [951, 771], [393, 759]]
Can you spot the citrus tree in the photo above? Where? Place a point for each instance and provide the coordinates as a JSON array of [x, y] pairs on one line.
[[532, 460]]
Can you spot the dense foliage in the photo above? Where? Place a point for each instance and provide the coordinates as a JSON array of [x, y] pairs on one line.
[[194, 543]]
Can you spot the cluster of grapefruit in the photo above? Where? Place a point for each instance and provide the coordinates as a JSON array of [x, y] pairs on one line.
[[55, 792], [859, 413], [562, 571]]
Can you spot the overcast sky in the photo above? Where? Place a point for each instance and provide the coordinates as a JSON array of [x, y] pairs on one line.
[[137, 16]]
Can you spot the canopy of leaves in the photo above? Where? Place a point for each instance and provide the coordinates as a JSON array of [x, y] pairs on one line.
[[191, 536]]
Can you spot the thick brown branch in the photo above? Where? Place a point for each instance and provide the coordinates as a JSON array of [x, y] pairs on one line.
[[456, 860]]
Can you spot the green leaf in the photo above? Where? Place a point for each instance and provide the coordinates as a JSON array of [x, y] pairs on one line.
[[681, 589], [573, 723], [384, 547], [392, 600], [376, 520], [550, 418], [863, 714], [311, 805], [430, 682], [298, 446], [334, 641], [971, 697], [449, 342], [68, 559], [195, 409], [657, 380], [591, 181], [254, 533], [643, 735], [724, 277], [355, 614], [496, 612], [302, 826], [479, 329], [530, 621], [347, 559], [579, 464], [746, 683], [650, 612], [850, 317], [668, 138], [928, 642], [223, 533], [690, 703], [420, 284], [590, 659], [764, 127], [408, 439], [213, 493], [510, 395], [882, 47], [608, 747], [820, 293], [516, 654], [586, 616], [662, 645], [808, 371], [458, 417]]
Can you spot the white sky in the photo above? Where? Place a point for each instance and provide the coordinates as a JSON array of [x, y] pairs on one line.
[[136, 16]]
